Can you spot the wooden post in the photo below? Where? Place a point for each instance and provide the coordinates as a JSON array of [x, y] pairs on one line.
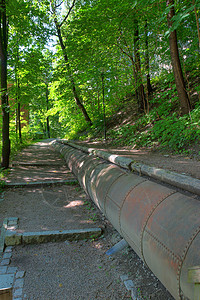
[[194, 277]]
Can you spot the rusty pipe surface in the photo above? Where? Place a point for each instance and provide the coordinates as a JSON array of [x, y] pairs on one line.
[[160, 224]]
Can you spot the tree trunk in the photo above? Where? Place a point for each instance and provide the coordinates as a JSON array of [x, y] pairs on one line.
[[48, 128], [139, 85], [5, 113], [18, 114], [197, 21], [18, 110], [176, 64], [47, 119], [149, 87], [19, 121], [74, 89], [4, 94]]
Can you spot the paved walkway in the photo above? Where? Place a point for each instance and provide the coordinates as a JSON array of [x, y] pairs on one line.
[[69, 269]]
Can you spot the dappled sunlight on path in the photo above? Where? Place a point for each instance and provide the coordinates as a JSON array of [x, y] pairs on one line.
[[38, 163], [58, 206]]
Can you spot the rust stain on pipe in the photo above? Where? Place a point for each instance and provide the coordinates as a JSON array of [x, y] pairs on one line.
[[161, 225]]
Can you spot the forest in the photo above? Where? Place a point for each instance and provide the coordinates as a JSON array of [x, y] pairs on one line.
[[122, 71]]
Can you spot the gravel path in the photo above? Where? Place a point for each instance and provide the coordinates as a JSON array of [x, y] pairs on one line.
[[76, 270]]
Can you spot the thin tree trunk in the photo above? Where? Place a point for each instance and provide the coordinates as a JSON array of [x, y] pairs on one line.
[[18, 114], [4, 94], [197, 21], [19, 127], [149, 87], [98, 99], [16, 123], [48, 128], [139, 85], [74, 89], [47, 119], [198, 30], [19, 121], [5, 113], [176, 64]]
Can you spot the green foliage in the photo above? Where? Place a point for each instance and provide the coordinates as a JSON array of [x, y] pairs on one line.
[[99, 42], [16, 146], [175, 133], [171, 132]]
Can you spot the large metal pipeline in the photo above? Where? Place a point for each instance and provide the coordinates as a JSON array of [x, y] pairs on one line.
[[160, 224]]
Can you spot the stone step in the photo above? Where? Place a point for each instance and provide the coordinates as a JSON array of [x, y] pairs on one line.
[[39, 183], [13, 238]]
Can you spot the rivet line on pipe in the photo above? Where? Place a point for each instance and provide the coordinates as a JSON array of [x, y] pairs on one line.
[[185, 250], [147, 219]]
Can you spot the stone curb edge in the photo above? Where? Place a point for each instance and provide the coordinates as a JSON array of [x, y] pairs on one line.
[[184, 182], [38, 183], [11, 278], [29, 164], [8, 224], [13, 238], [2, 236]]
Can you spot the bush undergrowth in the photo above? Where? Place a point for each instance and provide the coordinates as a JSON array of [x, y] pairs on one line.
[[162, 128], [171, 132]]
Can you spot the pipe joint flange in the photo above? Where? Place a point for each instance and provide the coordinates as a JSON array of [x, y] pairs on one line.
[[129, 191], [183, 256], [147, 219], [106, 196]]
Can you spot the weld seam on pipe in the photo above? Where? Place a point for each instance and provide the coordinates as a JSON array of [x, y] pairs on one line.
[[183, 256], [130, 190], [147, 219], [105, 199], [131, 241], [88, 175], [164, 247], [110, 186], [118, 218], [172, 178]]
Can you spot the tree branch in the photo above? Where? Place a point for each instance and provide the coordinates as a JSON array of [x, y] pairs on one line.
[[126, 45], [56, 6], [70, 9]]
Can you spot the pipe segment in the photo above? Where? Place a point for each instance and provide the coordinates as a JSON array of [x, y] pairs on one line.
[[161, 225]]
